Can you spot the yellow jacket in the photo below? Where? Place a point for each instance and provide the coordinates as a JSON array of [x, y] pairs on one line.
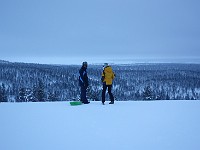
[[108, 75]]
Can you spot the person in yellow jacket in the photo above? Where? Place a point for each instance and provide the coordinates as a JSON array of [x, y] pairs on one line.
[[107, 78]]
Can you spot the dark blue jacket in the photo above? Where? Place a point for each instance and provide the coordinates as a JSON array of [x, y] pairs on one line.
[[83, 78]]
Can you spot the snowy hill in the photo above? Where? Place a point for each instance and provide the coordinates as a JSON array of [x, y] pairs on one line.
[[131, 125]]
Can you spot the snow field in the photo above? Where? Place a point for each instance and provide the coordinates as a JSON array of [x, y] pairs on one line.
[[139, 125]]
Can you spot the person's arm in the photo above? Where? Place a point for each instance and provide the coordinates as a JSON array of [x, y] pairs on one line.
[[81, 71], [113, 75], [103, 76], [86, 83]]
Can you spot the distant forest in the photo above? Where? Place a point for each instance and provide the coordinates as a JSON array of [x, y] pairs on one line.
[[25, 82]]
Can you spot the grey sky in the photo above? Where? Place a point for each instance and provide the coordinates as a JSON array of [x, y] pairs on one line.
[[99, 28]]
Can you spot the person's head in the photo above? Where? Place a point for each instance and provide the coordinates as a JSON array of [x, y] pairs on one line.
[[105, 65], [84, 64]]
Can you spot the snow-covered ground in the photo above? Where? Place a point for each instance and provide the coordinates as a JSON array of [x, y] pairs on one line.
[[150, 125]]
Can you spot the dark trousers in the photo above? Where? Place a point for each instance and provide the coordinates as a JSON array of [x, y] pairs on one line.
[[83, 94], [109, 92]]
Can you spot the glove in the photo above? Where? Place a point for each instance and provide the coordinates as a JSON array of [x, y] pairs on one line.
[[102, 78]]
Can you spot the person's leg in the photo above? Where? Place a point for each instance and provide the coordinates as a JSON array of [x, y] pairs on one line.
[[104, 93], [110, 94], [83, 94]]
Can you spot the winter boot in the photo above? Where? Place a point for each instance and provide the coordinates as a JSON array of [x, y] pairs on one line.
[[86, 102]]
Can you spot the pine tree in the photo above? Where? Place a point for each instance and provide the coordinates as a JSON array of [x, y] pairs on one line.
[[162, 94], [40, 92], [187, 97], [167, 97], [3, 97], [29, 95], [147, 94], [138, 95], [52, 97], [35, 94], [22, 95]]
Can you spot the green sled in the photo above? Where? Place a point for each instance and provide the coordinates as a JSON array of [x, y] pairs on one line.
[[75, 103]]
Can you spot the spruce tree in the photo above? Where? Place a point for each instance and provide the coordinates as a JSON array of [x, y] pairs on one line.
[[22, 95], [40, 92], [3, 97], [147, 94]]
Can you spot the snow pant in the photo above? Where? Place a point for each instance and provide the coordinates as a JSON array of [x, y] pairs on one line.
[[83, 94], [109, 92]]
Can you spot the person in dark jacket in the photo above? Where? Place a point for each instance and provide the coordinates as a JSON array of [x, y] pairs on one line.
[[83, 82], [107, 78]]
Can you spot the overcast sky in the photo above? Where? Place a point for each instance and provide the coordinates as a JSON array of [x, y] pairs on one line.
[[55, 30]]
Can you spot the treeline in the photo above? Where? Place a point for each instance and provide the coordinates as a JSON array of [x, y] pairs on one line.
[[159, 81], [23, 82], [35, 82]]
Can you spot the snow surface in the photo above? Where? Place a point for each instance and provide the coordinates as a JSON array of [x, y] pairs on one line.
[[132, 125]]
